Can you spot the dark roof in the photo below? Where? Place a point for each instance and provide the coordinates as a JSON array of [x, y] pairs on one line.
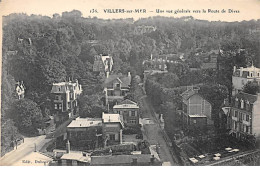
[[245, 96], [124, 80]]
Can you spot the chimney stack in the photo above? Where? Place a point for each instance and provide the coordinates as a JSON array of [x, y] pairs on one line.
[[234, 69], [68, 146], [241, 71]]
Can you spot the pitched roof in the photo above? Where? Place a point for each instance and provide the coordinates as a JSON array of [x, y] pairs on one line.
[[76, 155], [126, 104], [124, 80]]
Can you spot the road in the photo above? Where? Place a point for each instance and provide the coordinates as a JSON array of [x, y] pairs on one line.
[[23, 150], [154, 134]]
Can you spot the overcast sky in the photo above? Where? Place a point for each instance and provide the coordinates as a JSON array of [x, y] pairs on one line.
[[249, 9]]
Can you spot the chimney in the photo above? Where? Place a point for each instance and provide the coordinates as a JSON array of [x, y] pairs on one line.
[[129, 74], [234, 69], [68, 146], [107, 74], [241, 71]]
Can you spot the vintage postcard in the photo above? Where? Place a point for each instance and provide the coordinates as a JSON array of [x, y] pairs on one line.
[[130, 82]]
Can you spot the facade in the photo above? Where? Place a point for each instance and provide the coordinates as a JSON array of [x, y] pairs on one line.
[[64, 102], [112, 129], [196, 110], [102, 64], [242, 75], [129, 110], [19, 90], [139, 30], [243, 116], [116, 87], [85, 132]]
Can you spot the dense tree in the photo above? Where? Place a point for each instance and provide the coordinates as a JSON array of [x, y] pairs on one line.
[[252, 87], [26, 115]]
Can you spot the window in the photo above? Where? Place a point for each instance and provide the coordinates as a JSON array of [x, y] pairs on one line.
[[71, 96], [117, 85], [240, 116], [118, 112], [60, 106], [133, 121], [194, 121], [55, 106], [247, 129], [247, 117], [235, 113], [132, 113], [59, 89], [112, 137]]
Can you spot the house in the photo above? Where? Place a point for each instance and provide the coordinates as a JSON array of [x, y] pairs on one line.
[[64, 102], [116, 87], [72, 158], [103, 64], [139, 30], [112, 129], [19, 90], [243, 116], [196, 110], [129, 110], [242, 75], [85, 132]]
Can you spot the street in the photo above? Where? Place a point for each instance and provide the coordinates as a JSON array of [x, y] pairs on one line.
[[154, 133], [23, 150]]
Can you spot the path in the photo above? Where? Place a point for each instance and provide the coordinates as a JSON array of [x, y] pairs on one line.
[[23, 150], [154, 132]]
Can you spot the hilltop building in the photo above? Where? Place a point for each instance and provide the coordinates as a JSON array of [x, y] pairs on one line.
[[64, 103], [242, 75], [103, 64], [139, 30]]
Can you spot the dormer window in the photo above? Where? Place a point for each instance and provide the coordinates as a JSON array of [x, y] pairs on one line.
[[242, 104], [59, 89]]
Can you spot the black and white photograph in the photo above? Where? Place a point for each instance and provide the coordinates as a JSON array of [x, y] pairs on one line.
[[130, 82]]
